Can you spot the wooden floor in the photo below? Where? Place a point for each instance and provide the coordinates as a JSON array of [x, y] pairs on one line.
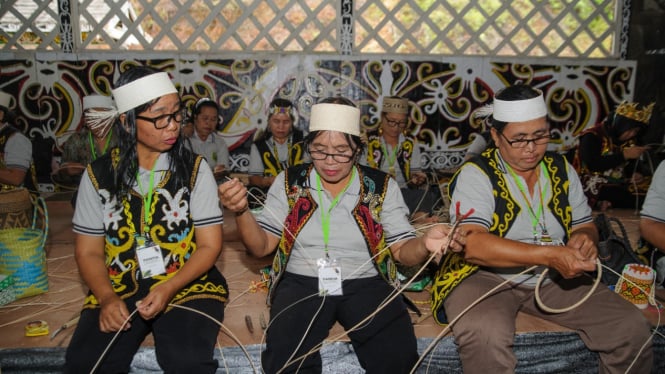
[[246, 311]]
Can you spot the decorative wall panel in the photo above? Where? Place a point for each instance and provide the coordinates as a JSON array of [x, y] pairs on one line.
[[444, 94]]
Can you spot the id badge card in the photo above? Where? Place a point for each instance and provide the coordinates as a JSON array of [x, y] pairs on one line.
[[150, 259], [330, 277], [546, 239]]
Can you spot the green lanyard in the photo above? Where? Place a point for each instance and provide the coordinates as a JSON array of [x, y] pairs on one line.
[[147, 200], [535, 217], [325, 213], [391, 160], [93, 148]]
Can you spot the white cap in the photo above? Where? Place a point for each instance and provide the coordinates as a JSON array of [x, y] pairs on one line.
[[5, 99], [335, 117], [143, 90], [98, 101], [519, 110]]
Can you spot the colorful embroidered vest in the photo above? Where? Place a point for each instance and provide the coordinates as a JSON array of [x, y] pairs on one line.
[[30, 180], [453, 268], [367, 213], [172, 228], [271, 164], [376, 157]]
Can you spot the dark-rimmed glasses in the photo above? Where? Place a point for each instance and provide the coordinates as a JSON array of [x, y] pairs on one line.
[[164, 120], [392, 123], [338, 157], [521, 143]]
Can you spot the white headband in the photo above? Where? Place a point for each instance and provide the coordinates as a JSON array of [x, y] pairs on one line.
[[335, 117], [519, 110], [5, 99], [142, 90], [98, 101]]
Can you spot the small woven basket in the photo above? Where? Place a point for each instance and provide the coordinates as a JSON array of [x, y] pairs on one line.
[[15, 208], [22, 254]]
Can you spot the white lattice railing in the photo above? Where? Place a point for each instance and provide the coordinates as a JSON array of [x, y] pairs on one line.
[[523, 28]]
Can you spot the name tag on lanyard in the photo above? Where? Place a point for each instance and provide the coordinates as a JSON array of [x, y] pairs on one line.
[[150, 259], [330, 277]]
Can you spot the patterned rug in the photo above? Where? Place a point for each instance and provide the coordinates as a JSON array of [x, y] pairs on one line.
[[558, 352]]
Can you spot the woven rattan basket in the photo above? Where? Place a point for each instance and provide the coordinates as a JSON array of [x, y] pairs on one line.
[[15, 208], [22, 254]]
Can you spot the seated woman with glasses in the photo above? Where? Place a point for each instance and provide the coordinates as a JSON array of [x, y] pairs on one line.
[[395, 152], [338, 228], [205, 140], [149, 232]]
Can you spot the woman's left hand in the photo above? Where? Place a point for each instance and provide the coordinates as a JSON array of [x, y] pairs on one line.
[[156, 301]]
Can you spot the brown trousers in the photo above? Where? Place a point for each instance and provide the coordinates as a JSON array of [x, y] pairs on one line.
[[607, 324]]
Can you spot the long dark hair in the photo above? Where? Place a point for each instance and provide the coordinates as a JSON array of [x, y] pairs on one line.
[[352, 140], [124, 174]]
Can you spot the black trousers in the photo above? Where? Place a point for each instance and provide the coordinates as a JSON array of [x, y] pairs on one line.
[[300, 320], [184, 340]]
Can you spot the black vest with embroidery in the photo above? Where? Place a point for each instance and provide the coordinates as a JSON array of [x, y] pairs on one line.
[[376, 157], [367, 214], [271, 165], [30, 179], [171, 227], [454, 269], [506, 209]]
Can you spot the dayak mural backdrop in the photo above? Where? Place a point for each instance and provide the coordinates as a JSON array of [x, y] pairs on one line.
[[444, 94]]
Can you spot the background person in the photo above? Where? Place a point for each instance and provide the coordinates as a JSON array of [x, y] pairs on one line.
[[320, 277], [606, 155], [398, 154], [16, 166], [149, 231], [278, 147], [530, 209], [93, 141], [652, 221], [205, 140]]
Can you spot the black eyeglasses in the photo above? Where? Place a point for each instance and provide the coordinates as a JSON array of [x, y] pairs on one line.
[[338, 157], [393, 123], [164, 120], [521, 143]]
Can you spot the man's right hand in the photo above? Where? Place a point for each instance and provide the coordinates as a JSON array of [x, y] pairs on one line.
[[570, 262]]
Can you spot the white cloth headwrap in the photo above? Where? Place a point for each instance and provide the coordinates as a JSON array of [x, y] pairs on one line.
[[142, 90], [335, 117], [5, 99], [127, 97], [519, 110], [98, 101]]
